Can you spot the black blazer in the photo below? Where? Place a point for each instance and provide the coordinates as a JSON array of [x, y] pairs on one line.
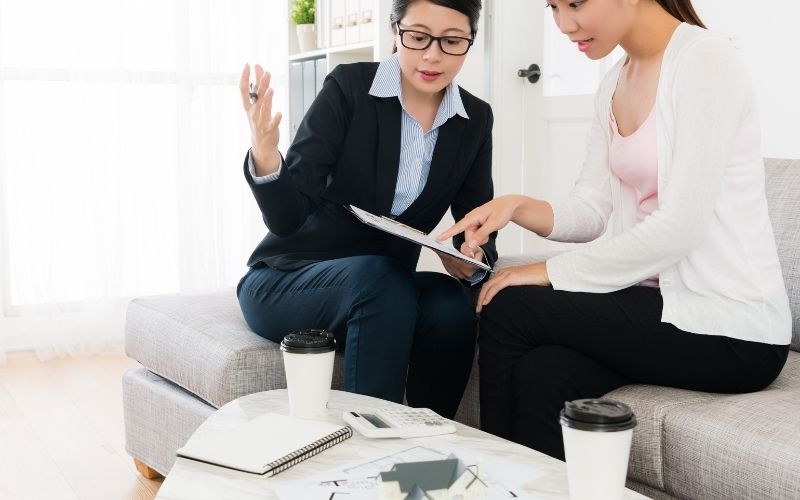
[[347, 151]]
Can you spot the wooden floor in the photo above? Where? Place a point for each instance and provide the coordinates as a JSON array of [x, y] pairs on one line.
[[61, 430]]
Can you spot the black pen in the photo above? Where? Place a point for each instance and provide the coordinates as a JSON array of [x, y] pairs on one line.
[[253, 93]]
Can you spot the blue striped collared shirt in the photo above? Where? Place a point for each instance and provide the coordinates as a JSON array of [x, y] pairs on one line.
[[416, 146]]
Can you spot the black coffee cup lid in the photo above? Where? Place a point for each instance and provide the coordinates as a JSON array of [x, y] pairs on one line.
[[308, 341], [602, 415]]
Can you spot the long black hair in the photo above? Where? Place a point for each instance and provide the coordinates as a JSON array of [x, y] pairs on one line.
[[682, 10], [470, 8]]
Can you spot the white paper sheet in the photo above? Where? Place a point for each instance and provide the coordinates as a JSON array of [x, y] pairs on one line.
[[359, 480]]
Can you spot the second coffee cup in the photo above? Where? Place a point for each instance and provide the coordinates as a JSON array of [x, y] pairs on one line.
[[597, 443], [308, 360]]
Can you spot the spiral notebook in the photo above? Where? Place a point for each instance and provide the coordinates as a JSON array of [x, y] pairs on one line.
[[265, 445]]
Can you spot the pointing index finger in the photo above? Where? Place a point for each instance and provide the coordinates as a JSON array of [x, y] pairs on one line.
[[453, 230]]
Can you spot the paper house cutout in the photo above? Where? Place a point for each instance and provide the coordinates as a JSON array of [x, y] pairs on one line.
[[447, 479]]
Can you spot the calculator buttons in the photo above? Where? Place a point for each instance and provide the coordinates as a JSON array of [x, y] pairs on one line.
[[402, 422]]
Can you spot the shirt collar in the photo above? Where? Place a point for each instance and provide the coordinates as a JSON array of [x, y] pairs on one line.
[[387, 84]]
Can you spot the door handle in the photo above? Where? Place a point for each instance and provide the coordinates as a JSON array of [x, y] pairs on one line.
[[532, 73]]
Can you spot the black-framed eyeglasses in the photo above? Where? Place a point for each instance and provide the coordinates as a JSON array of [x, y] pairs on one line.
[[419, 40]]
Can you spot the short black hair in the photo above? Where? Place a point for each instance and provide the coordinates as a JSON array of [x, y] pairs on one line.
[[470, 8]]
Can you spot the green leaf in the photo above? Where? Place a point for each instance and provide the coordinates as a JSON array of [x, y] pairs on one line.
[[303, 11]]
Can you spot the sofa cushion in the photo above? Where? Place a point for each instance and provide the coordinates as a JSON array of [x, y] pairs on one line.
[[651, 404], [737, 446], [783, 198], [202, 343]]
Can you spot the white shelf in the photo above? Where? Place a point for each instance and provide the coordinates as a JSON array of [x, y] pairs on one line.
[[312, 54], [353, 47], [361, 47]]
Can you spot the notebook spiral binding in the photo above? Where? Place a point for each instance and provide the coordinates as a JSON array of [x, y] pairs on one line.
[[309, 451]]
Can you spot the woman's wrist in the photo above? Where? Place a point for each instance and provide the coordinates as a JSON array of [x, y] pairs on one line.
[[518, 207], [266, 164], [534, 215], [545, 274]]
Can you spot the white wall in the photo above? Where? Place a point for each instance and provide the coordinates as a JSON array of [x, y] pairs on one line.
[[766, 32]]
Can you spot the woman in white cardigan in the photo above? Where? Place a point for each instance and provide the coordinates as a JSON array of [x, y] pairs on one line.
[[686, 290]]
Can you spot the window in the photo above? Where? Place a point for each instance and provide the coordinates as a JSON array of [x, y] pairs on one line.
[[121, 145]]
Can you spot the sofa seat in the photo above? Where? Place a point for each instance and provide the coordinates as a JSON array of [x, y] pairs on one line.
[[723, 445], [737, 446], [651, 404], [201, 343]]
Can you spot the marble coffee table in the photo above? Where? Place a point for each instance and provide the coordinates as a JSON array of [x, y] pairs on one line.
[[192, 480]]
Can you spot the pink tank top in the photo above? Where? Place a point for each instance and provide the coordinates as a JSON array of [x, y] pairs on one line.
[[634, 160]]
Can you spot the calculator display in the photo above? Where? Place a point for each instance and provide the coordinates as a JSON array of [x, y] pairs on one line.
[[374, 420]]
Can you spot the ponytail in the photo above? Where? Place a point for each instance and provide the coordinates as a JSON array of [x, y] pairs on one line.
[[682, 10]]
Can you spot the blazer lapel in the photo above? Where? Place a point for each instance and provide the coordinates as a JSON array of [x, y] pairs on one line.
[[442, 165], [388, 111]]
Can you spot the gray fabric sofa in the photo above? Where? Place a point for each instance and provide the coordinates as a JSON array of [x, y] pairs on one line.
[[197, 354]]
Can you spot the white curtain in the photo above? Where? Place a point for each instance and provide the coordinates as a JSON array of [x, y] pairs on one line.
[[121, 145]]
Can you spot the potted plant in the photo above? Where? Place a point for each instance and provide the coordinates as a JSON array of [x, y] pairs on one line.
[[303, 16]]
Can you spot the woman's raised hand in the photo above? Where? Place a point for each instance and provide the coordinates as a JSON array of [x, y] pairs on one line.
[[481, 222], [264, 132]]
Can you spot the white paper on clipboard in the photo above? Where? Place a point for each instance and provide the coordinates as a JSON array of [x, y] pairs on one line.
[[391, 226]]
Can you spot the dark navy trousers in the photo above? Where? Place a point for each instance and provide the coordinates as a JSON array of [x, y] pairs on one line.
[[402, 331]]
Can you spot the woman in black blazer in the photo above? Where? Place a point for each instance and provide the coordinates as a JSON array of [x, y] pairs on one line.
[[398, 139]]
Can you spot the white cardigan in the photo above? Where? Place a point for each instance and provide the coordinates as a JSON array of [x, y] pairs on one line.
[[710, 239]]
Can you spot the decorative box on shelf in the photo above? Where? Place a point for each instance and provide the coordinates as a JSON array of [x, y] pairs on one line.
[[366, 28], [351, 21]]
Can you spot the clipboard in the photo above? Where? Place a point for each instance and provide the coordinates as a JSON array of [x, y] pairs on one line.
[[395, 228]]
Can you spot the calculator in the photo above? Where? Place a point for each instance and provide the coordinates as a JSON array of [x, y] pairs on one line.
[[398, 422]]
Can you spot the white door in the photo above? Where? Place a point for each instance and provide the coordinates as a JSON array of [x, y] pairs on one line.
[[541, 128]]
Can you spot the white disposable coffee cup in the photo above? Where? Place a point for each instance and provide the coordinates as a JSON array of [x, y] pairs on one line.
[[597, 444], [308, 362]]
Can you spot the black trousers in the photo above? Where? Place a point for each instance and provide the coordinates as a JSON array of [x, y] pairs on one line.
[[540, 347]]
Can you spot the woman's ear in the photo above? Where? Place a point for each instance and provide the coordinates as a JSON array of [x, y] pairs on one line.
[[395, 27]]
